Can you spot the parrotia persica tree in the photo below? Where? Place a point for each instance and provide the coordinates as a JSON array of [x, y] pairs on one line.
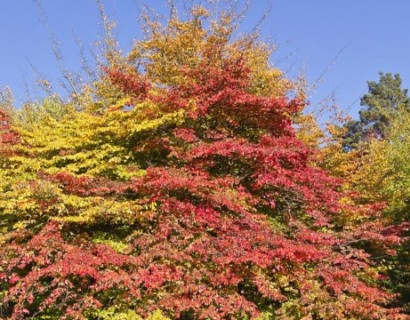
[[178, 185]]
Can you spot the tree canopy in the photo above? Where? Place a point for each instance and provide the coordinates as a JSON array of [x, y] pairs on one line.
[[177, 186], [382, 103]]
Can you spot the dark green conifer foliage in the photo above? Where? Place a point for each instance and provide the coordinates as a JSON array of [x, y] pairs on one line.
[[381, 104]]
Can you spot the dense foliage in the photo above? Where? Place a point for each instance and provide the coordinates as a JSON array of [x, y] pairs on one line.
[[376, 167], [177, 183], [381, 173]]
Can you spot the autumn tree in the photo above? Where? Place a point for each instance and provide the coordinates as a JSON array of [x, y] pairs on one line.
[[376, 170], [179, 184], [384, 175]]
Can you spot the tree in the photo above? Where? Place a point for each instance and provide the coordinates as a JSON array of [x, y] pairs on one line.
[[385, 176], [383, 103], [378, 171], [180, 184]]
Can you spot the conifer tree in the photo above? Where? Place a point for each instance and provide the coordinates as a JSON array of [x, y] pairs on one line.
[[382, 104]]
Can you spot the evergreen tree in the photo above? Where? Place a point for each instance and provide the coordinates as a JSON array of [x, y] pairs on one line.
[[382, 103]]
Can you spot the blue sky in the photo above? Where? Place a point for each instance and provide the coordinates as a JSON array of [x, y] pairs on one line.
[[341, 43]]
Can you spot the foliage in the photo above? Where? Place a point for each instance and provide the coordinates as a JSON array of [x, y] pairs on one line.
[[180, 184], [384, 175], [383, 102], [376, 170]]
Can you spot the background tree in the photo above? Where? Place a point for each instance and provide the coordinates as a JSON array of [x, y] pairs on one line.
[[384, 175], [383, 103], [377, 171]]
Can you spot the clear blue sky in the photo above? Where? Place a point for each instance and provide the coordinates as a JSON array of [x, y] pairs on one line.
[[348, 41]]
